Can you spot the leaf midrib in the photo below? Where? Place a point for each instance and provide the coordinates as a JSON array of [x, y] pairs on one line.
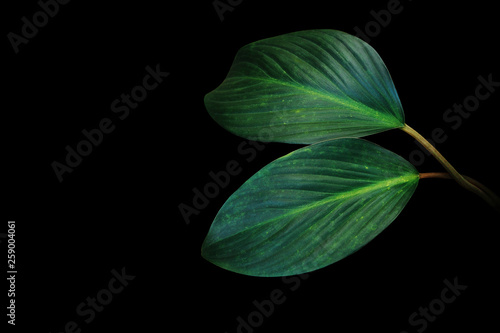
[[359, 107], [338, 196], [349, 194]]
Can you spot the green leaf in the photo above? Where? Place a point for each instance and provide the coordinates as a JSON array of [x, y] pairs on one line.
[[306, 87], [310, 208]]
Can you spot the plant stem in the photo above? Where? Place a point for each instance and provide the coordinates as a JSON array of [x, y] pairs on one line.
[[466, 182], [445, 175]]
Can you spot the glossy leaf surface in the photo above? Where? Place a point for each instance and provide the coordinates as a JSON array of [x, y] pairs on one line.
[[310, 208], [306, 87]]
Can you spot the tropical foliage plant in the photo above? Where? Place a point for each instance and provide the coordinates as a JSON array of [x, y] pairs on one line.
[[322, 202]]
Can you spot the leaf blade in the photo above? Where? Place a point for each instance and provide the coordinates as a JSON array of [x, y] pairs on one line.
[[310, 208], [306, 87]]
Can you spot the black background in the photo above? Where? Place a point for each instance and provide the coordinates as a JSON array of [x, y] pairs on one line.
[[119, 207]]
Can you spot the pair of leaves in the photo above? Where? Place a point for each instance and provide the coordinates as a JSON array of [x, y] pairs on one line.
[[322, 202]]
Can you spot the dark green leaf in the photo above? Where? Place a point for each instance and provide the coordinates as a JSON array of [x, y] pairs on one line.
[[306, 87], [310, 208]]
